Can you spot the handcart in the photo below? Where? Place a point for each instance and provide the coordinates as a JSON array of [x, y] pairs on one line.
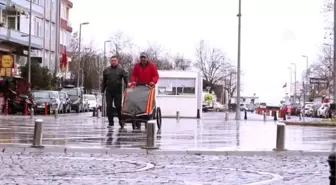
[[139, 106]]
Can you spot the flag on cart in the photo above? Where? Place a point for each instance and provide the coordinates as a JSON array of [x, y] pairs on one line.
[[285, 85]]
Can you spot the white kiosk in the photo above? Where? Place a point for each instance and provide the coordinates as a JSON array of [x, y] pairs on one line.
[[180, 91]]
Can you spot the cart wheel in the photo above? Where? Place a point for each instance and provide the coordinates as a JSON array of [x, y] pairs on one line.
[[138, 125], [158, 118], [145, 125]]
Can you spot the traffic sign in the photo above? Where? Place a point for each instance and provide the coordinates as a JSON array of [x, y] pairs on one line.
[[317, 81]]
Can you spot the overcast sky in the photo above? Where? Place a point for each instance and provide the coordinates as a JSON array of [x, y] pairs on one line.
[[275, 33]]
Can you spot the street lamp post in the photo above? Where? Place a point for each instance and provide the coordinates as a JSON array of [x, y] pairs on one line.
[[79, 50], [330, 69], [29, 41], [294, 82], [107, 41], [238, 62], [291, 81], [306, 84], [334, 73]]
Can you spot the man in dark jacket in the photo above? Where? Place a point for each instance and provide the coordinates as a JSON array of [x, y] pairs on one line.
[[112, 86]]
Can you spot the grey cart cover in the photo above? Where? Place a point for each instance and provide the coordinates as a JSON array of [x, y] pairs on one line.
[[136, 100]]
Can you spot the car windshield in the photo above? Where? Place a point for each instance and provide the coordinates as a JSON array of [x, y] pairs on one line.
[[263, 104], [42, 95], [62, 95], [71, 92], [54, 94]]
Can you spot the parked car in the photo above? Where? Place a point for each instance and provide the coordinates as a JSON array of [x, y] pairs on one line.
[[66, 104], [262, 105], [315, 107], [295, 109], [219, 107], [308, 110], [76, 98], [92, 101], [43, 99], [323, 111]]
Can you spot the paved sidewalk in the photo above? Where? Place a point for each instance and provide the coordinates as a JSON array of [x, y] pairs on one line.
[[141, 169], [210, 133]]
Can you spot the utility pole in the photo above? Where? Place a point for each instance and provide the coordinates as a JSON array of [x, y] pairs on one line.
[[238, 62], [29, 41], [79, 50], [334, 58], [295, 84]]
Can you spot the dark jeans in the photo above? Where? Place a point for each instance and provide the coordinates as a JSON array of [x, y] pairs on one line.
[[116, 98]]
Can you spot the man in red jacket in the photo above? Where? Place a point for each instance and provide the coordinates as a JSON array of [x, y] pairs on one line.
[[144, 72]]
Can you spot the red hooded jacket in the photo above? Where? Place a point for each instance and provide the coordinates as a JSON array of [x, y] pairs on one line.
[[144, 74]]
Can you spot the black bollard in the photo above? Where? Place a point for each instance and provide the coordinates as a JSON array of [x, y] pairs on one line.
[[94, 112], [245, 114], [275, 115], [284, 117], [332, 164]]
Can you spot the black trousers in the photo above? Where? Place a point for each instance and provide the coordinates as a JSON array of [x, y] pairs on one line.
[[116, 98]]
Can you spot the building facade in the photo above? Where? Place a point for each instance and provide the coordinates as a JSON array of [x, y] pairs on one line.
[[50, 30]]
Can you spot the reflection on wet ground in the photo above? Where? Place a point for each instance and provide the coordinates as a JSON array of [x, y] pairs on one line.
[[210, 133]]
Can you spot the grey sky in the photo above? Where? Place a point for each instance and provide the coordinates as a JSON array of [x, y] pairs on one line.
[[274, 32]]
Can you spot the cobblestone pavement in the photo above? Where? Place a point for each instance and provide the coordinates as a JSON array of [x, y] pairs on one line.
[[141, 169], [210, 133]]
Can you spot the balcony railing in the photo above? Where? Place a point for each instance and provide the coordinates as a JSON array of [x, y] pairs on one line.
[[25, 5], [20, 38]]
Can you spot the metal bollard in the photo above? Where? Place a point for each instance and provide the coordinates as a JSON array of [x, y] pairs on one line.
[[38, 134], [56, 113], [226, 116], [275, 115], [32, 113], [245, 114], [94, 112], [280, 137], [177, 115], [151, 135], [98, 112], [284, 116], [264, 116], [332, 165]]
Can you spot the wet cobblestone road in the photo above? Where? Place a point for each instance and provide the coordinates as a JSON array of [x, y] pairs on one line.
[[141, 169]]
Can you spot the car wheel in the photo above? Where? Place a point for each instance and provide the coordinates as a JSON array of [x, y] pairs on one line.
[[217, 110], [78, 109]]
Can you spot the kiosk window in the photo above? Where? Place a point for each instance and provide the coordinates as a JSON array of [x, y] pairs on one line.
[[177, 86]]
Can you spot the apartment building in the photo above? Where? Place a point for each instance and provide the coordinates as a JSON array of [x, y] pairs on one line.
[[50, 30]]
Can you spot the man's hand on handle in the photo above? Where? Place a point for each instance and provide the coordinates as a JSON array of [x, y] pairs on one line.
[[131, 84]]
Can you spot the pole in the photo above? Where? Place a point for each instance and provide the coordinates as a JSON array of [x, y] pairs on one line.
[[104, 54], [295, 84], [29, 41], [98, 60], [291, 81], [79, 50], [57, 37], [330, 73], [334, 71], [238, 62], [305, 88]]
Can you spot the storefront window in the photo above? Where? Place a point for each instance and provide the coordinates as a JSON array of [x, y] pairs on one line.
[[178, 86]]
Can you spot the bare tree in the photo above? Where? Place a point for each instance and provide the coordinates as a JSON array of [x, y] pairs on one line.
[[181, 63], [210, 61], [157, 55], [122, 46]]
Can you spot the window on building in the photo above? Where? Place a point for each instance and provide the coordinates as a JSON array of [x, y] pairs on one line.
[[47, 30], [185, 86], [38, 30], [177, 86], [11, 22]]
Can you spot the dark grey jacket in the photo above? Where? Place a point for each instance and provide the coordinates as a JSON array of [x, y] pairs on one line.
[[112, 79]]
